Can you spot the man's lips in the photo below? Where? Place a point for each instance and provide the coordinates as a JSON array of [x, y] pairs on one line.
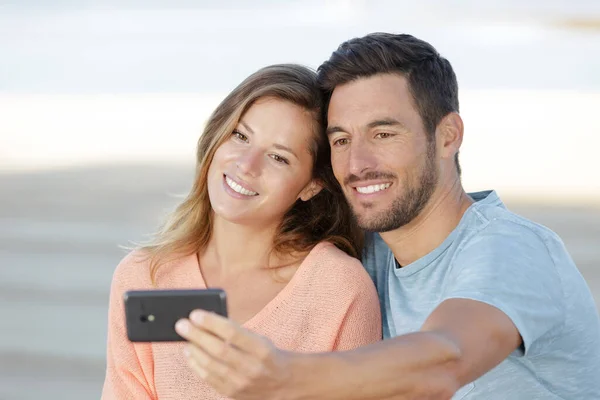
[[371, 187]]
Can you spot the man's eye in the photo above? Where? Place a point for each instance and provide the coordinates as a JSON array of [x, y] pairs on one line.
[[240, 136], [340, 142], [383, 135]]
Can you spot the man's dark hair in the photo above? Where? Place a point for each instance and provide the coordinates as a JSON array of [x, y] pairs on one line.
[[431, 80]]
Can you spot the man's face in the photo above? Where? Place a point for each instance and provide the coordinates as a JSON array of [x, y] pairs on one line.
[[380, 152]]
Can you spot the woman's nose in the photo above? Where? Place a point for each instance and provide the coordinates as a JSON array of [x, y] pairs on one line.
[[249, 162]]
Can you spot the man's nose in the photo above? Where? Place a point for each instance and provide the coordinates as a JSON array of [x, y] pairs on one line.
[[362, 158]]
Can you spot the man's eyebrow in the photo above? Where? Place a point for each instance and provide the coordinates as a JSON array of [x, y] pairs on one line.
[[333, 129], [373, 124], [384, 122]]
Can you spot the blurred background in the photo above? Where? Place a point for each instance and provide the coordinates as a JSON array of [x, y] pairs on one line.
[[102, 102]]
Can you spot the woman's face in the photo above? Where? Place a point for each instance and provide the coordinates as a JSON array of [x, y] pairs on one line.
[[265, 165]]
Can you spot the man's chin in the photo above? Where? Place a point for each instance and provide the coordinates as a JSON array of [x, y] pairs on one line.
[[377, 221], [368, 222]]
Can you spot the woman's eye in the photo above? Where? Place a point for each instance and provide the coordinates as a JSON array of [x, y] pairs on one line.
[[279, 159], [240, 136]]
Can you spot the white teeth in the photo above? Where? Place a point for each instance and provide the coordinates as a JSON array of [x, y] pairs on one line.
[[372, 188], [237, 188]]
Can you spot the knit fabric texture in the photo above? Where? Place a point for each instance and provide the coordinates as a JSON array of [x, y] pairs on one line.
[[330, 304]]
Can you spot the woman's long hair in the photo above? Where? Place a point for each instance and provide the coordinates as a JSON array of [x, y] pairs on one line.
[[325, 217]]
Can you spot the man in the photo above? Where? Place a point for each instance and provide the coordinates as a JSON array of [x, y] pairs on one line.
[[478, 303]]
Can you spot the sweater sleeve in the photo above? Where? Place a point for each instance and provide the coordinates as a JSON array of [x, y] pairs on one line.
[[129, 366], [362, 321]]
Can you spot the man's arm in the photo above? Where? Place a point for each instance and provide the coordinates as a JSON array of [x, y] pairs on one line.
[[484, 334], [461, 340]]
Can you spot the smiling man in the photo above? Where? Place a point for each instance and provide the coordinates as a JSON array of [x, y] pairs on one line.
[[477, 302]]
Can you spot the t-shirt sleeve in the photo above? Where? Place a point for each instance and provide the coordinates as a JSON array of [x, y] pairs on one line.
[[127, 364], [508, 266]]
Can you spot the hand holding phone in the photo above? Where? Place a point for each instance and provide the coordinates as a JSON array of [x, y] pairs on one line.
[[151, 315]]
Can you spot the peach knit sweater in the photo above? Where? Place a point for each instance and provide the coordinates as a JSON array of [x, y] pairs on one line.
[[329, 304]]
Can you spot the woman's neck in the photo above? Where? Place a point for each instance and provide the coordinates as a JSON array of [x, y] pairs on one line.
[[234, 248]]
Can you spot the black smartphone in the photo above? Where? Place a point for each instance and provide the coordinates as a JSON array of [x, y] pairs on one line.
[[150, 315]]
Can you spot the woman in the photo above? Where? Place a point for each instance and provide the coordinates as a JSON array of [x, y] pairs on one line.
[[265, 221]]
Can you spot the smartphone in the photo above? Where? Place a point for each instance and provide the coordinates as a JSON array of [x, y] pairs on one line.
[[150, 315]]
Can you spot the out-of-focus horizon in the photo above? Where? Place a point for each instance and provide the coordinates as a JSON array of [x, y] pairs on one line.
[[102, 102], [110, 81]]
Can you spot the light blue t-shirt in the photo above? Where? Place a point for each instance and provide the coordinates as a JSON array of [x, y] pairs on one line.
[[519, 267]]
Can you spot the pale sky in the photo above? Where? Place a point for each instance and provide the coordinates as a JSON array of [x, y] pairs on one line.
[[114, 46]]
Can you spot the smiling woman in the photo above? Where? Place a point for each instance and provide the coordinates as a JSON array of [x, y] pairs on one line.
[[267, 162], [267, 222]]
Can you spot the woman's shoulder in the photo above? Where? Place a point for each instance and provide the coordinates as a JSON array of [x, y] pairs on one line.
[[172, 270], [333, 265], [133, 270], [327, 252]]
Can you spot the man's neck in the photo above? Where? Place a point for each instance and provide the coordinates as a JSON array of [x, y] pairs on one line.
[[431, 227]]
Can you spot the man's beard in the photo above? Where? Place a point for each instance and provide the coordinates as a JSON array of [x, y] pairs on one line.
[[406, 208]]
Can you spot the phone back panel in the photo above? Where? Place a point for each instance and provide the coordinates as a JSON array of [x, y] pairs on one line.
[[151, 314]]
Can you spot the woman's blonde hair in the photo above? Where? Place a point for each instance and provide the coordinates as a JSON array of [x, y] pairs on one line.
[[325, 217]]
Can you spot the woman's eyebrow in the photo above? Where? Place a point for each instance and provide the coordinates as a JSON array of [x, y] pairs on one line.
[[285, 148]]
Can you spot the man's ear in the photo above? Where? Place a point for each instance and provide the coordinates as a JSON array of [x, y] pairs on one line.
[[311, 190], [450, 135]]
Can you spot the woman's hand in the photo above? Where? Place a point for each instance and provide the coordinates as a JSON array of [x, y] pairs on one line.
[[235, 361]]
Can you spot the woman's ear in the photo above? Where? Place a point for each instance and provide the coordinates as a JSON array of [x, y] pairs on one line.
[[311, 190]]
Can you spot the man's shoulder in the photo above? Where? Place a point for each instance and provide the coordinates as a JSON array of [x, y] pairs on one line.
[[491, 223], [499, 244]]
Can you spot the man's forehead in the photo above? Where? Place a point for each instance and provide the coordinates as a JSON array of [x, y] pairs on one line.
[[376, 84], [380, 91], [375, 98]]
